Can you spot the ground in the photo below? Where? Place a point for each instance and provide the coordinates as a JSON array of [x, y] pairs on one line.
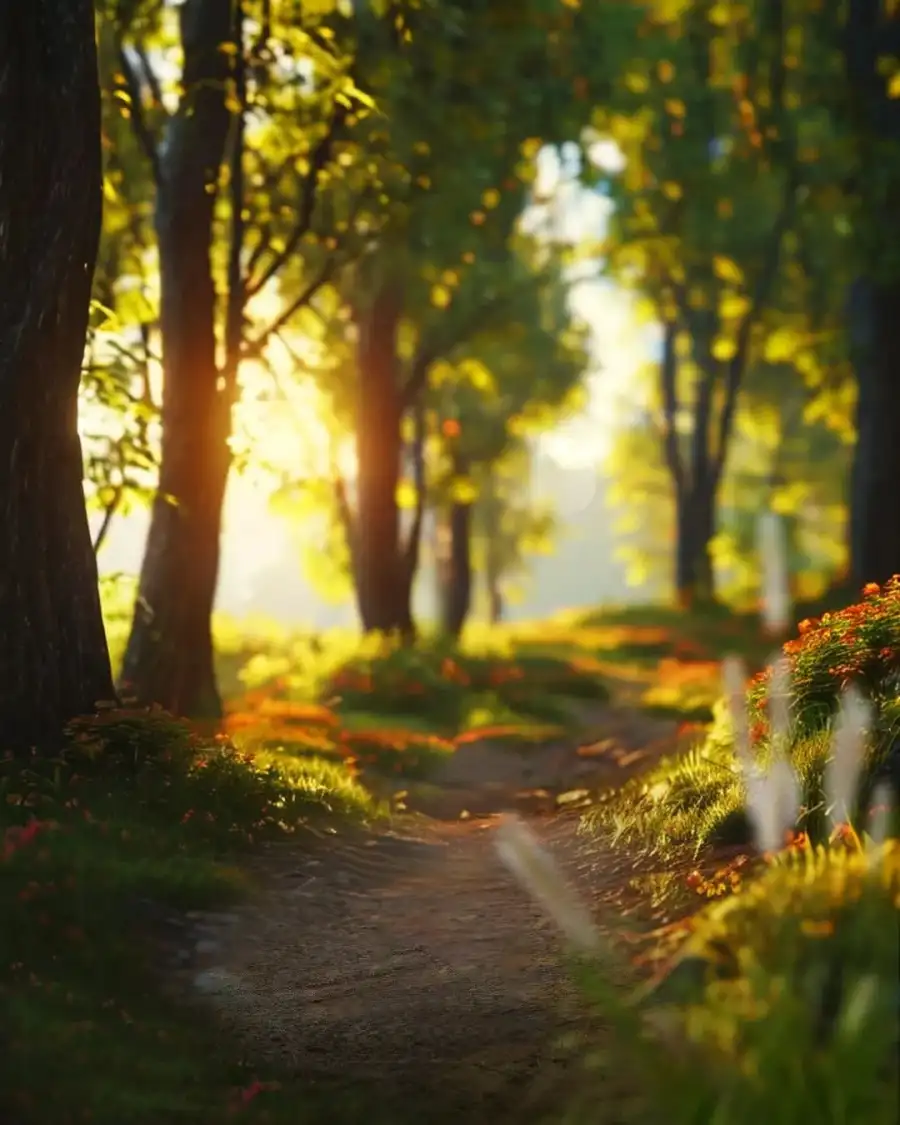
[[410, 959]]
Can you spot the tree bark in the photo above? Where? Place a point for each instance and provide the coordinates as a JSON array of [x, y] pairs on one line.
[[875, 478], [695, 528], [381, 563], [455, 564], [54, 663], [874, 301], [169, 657]]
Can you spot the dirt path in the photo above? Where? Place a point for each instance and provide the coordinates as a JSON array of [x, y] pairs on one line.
[[408, 968]]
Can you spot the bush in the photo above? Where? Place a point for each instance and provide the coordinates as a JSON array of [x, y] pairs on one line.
[[697, 798], [794, 1016], [135, 809], [440, 682]]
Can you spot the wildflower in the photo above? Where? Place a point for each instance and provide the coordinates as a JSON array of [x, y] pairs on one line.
[[853, 719], [539, 874], [871, 589]]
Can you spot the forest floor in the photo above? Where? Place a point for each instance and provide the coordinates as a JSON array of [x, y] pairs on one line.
[[405, 969]]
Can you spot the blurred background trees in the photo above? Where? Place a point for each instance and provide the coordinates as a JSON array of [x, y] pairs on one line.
[[440, 329]]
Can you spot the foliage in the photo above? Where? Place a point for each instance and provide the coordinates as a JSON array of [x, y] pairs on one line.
[[136, 809], [697, 799], [793, 1011]]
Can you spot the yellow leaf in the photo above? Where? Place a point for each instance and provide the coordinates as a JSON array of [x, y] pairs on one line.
[[406, 495], [671, 190], [719, 15], [463, 491], [727, 270], [733, 306], [531, 147], [724, 348], [893, 86], [490, 198], [781, 345], [440, 296], [637, 83], [675, 107]]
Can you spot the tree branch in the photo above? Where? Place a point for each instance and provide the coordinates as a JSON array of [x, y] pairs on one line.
[[430, 351], [254, 347], [761, 291], [321, 154], [142, 132], [668, 374]]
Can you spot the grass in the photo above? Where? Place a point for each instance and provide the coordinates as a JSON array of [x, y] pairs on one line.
[[780, 999], [697, 799], [785, 1008], [134, 808]]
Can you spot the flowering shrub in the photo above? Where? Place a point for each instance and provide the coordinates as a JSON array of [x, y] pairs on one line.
[[440, 683], [859, 644]]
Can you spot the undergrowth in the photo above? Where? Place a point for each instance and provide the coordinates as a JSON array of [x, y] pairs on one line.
[[134, 808], [697, 799], [793, 1015]]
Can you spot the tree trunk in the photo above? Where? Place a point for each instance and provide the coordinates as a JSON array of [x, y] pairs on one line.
[[169, 658], [695, 527], [456, 566], [871, 33], [383, 581], [54, 662], [875, 480]]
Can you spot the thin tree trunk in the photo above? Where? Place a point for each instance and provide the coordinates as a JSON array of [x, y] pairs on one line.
[[169, 657], [383, 586], [54, 662], [456, 564]]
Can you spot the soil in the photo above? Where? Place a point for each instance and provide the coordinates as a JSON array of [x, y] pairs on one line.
[[406, 969]]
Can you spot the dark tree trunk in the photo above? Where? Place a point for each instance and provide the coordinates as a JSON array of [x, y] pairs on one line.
[[455, 565], [874, 305], [381, 567], [54, 662], [169, 658], [695, 527], [875, 479]]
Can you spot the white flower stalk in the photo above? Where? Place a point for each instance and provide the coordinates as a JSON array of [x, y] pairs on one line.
[[734, 683], [772, 796], [880, 810], [848, 747], [779, 704], [540, 875], [776, 595]]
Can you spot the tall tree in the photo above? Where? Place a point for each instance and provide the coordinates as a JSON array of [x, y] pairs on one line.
[[169, 658], [707, 196], [54, 662], [218, 250], [871, 35]]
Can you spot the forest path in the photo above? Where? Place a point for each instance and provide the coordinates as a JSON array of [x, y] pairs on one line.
[[408, 970]]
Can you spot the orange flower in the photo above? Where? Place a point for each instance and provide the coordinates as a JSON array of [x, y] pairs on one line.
[[805, 625], [870, 589]]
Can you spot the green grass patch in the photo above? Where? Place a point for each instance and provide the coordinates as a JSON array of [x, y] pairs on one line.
[[134, 808], [782, 1005], [697, 798]]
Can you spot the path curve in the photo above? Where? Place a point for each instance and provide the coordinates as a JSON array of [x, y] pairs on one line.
[[411, 966]]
